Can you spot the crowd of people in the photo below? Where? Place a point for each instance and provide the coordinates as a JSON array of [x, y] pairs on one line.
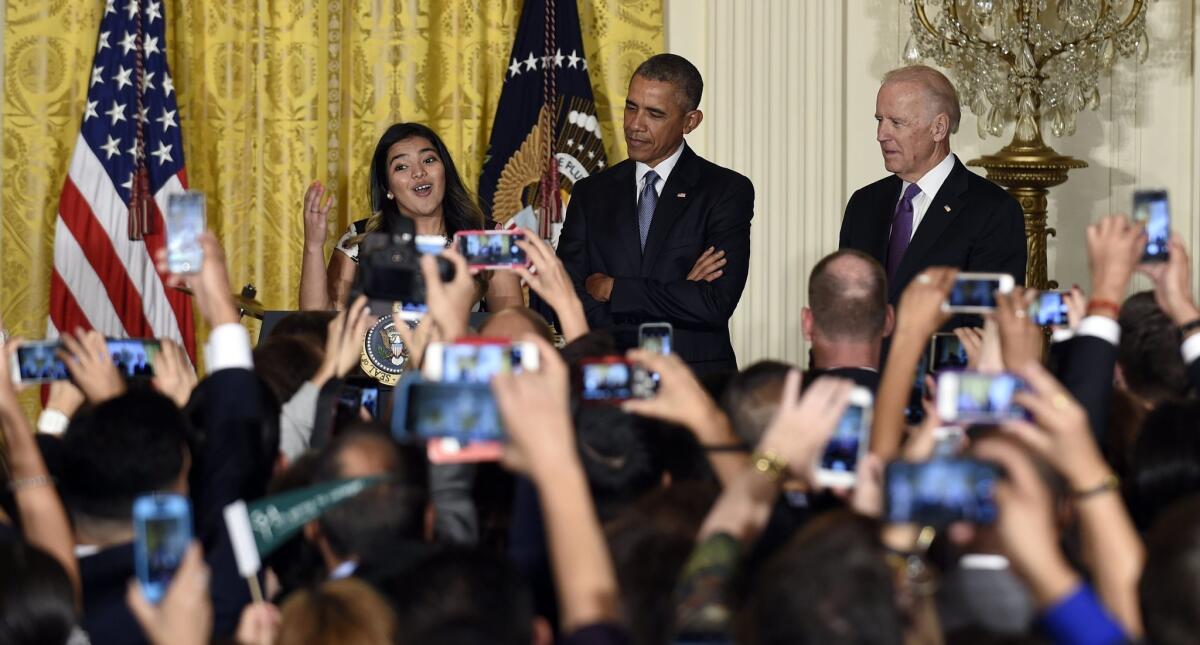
[[690, 516]]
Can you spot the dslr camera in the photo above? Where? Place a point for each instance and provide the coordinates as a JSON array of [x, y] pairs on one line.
[[389, 271]]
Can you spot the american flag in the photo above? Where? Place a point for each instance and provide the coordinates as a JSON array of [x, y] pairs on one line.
[[102, 279]]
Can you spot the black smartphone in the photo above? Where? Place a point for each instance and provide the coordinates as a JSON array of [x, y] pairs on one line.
[[946, 352], [941, 491], [431, 409], [1152, 208]]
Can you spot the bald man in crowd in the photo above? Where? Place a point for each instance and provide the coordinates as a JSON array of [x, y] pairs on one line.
[[931, 210]]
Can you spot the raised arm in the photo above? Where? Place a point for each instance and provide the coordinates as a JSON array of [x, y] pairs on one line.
[[43, 518], [918, 316], [536, 411], [314, 291]]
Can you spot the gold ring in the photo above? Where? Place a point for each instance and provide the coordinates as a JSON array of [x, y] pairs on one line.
[[1060, 401], [924, 278]]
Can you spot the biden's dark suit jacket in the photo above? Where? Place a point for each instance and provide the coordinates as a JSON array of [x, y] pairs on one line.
[[972, 224], [701, 205]]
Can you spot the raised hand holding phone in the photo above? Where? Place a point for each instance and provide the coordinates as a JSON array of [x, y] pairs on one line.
[[185, 221], [184, 616], [86, 357], [548, 278]]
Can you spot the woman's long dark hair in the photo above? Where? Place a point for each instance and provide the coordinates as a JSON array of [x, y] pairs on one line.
[[459, 210]]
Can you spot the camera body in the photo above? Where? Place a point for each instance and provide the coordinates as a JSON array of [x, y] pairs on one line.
[[389, 271]]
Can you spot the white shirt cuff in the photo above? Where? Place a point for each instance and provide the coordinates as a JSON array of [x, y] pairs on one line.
[[52, 422], [228, 347], [1100, 327], [1191, 349]]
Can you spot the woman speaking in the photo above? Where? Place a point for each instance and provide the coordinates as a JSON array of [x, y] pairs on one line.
[[413, 176]]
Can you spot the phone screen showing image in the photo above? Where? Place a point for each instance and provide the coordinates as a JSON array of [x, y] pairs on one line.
[[1049, 310], [464, 411], [941, 491], [185, 223], [655, 338], [162, 531], [38, 363], [973, 292], [1153, 208], [841, 453], [496, 250]]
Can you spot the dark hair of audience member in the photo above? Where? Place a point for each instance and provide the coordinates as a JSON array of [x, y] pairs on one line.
[[594, 344], [286, 362], [1126, 416], [296, 562], [830, 583], [650, 542], [309, 325], [371, 524], [678, 71], [263, 427], [37, 602], [751, 398], [1148, 353], [1166, 460], [460, 596], [125, 447], [347, 612], [848, 301], [1169, 589], [618, 456]]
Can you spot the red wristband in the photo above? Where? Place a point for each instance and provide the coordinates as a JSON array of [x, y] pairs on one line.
[[1108, 305]]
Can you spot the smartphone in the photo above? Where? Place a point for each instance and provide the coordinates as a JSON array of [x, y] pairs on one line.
[[975, 293], [37, 361], [914, 411], [162, 529], [477, 360], [134, 357], [940, 491], [353, 398], [839, 462], [425, 409], [946, 352], [655, 337], [1049, 309], [185, 222], [1152, 208], [612, 379], [975, 397], [491, 249]]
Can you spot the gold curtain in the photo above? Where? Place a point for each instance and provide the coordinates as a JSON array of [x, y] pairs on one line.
[[272, 95]]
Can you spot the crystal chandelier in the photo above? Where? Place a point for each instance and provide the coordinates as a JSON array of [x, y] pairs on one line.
[[1035, 63], [1032, 62]]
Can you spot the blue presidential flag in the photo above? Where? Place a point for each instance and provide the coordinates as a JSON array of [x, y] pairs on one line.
[[512, 183]]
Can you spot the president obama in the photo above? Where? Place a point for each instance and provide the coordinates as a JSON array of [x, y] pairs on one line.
[[643, 239]]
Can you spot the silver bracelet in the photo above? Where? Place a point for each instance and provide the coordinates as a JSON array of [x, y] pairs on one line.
[[18, 485]]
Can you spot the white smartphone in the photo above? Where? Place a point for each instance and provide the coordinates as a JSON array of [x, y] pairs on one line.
[[185, 222], [975, 293], [851, 438], [656, 337], [477, 360], [975, 397]]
